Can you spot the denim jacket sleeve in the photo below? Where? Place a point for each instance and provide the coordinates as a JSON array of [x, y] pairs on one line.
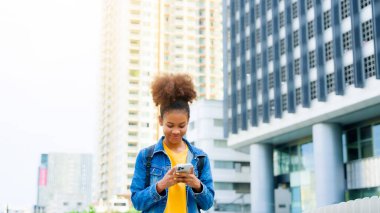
[[143, 198], [205, 199]]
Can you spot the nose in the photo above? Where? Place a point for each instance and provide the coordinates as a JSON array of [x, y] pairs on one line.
[[175, 132]]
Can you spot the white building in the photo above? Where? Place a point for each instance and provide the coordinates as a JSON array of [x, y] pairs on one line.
[[64, 182], [141, 38], [230, 169]]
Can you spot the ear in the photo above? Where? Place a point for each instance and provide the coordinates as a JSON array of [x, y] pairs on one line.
[[160, 120]]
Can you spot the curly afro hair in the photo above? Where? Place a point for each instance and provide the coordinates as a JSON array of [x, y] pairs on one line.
[[173, 92]]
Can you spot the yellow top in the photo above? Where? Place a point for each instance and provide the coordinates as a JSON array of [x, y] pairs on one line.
[[177, 193]]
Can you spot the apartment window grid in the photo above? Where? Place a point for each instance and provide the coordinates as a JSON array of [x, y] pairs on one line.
[[284, 99], [282, 46], [364, 3], [367, 30], [271, 80], [313, 90], [328, 50], [327, 19], [309, 4], [330, 83], [258, 60], [283, 74], [247, 43], [237, 52], [238, 73], [282, 19], [297, 66], [260, 110], [310, 29], [238, 96], [259, 84], [345, 8], [257, 11], [270, 53], [369, 66], [298, 96], [246, 19], [312, 59], [239, 121], [271, 107], [294, 10], [269, 27], [269, 4], [347, 41], [296, 40], [248, 92], [258, 36], [359, 142], [349, 75]]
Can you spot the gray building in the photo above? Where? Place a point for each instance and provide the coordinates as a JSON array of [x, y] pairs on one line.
[[302, 97], [64, 182]]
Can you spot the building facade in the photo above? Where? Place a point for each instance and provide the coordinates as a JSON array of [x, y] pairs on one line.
[[301, 94], [140, 39], [230, 169], [64, 182]]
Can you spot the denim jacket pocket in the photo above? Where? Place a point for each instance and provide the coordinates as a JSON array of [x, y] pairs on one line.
[[155, 175]]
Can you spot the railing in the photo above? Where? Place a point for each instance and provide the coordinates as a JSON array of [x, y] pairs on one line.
[[365, 205]]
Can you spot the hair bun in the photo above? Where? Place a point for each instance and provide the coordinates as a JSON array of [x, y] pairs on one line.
[[167, 88]]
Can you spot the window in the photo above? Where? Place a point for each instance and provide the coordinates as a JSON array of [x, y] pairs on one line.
[[309, 4], [310, 29], [295, 38], [271, 107], [269, 28], [345, 8], [313, 90], [220, 143], [283, 74], [271, 80], [258, 31], [258, 61], [328, 50], [330, 83], [367, 32], [297, 66], [270, 53], [257, 11], [327, 19], [359, 143], [347, 41], [282, 19], [282, 46], [312, 59], [259, 84], [298, 96], [349, 74], [260, 110], [284, 102], [294, 10], [364, 3], [218, 122], [369, 66], [269, 4]]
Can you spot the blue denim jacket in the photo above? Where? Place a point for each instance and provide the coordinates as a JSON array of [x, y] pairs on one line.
[[148, 199]]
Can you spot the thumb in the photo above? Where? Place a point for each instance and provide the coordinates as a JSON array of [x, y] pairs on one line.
[[172, 170]]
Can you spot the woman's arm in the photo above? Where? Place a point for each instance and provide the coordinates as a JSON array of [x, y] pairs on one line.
[[143, 198], [205, 198]]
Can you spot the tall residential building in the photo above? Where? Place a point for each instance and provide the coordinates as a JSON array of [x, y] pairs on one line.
[[141, 38], [64, 182], [302, 96], [230, 169]]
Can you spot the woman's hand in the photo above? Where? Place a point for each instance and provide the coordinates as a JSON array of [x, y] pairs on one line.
[[166, 182], [189, 179]]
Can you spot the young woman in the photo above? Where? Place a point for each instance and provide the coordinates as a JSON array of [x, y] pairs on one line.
[[156, 185]]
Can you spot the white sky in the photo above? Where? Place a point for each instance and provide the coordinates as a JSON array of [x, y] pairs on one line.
[[49, 74]]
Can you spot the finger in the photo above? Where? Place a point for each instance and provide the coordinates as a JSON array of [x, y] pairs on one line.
[[191, 170], [172, 171]]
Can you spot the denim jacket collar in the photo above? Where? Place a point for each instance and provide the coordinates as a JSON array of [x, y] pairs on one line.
[[194, 151]]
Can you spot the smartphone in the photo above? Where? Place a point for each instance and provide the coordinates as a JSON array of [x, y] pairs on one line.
[[183, 167]]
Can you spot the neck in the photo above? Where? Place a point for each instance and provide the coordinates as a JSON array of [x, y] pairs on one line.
[[175, 146]]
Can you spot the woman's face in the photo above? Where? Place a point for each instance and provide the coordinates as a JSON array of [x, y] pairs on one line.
[[174, 124]]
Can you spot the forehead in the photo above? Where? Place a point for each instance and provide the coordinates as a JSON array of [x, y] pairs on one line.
[[175, 116]]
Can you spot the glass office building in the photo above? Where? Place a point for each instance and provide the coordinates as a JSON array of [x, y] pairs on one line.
[[302, 95]]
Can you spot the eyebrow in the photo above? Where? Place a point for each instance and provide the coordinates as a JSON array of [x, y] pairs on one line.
[[179, 124]]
